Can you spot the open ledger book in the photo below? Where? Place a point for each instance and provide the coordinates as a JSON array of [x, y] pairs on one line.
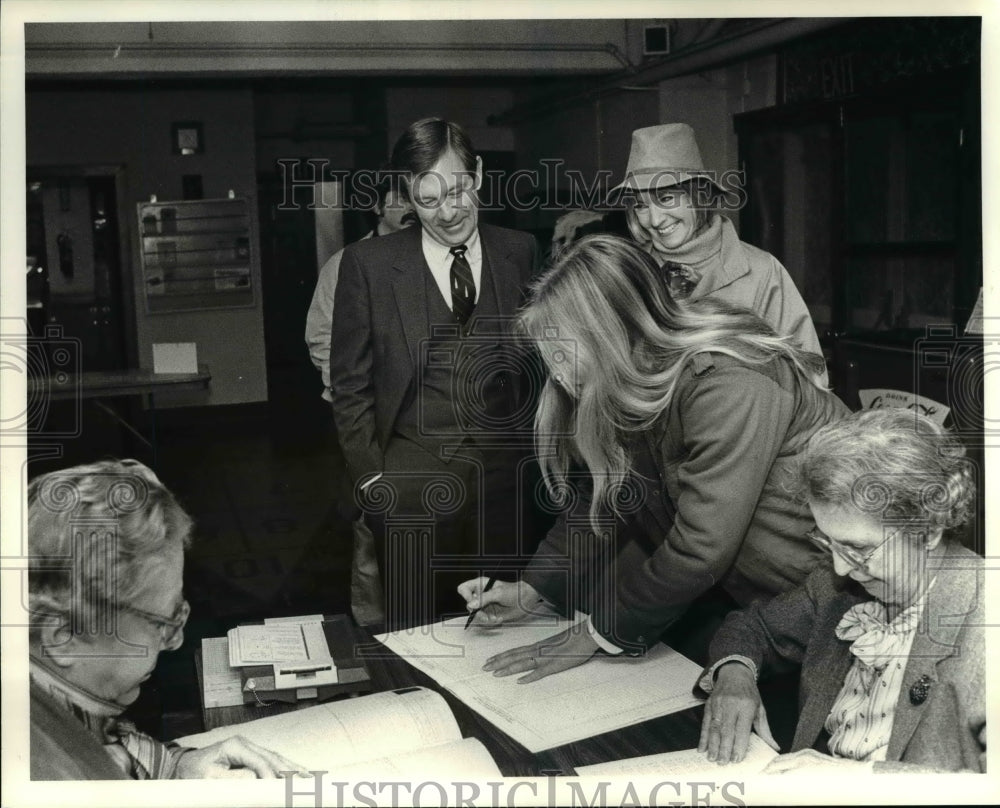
[[688, 763], [407, 734], [605, 694]]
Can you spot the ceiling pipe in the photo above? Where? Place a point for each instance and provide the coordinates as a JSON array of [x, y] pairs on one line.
[[691, 59], [171, 49]]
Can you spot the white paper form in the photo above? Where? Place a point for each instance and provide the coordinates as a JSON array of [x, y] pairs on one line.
[[379, 733], [280, 640], [689, 763], [262, 645], [603, 694], [223, 687], [299, 620]]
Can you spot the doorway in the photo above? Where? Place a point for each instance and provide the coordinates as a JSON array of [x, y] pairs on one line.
[[76, 286]]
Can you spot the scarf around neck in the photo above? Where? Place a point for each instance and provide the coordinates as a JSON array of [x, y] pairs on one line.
[[139, 755], [697, 257], [90, 710], [875, 640]]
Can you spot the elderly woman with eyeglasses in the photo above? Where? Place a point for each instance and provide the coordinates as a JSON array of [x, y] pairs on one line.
[[106, 545], [888, 634]]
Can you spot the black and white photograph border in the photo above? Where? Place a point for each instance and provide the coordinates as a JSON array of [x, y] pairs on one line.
[[102, 57]]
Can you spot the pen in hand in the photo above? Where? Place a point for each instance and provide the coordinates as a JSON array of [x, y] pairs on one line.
[[487, 588]]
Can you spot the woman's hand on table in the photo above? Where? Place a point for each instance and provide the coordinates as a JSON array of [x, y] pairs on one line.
[[732, 711], [504, 602], [234, 756], [565, 650]]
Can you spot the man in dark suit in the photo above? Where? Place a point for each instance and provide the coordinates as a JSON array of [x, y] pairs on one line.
[[431, 398]]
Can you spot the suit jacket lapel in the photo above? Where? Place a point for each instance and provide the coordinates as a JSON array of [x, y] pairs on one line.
[[501, 268], [834, 659], [505, 278], [947, 601], [409, 287]]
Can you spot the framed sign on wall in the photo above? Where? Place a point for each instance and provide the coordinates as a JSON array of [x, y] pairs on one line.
[[196, 254]]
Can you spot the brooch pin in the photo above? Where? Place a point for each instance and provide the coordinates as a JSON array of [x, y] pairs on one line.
[[920, 689]]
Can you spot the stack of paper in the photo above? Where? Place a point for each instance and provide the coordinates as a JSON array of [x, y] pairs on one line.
[[223, 686], [277, 642]]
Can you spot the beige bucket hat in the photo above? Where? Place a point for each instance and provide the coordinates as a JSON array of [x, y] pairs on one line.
[[661, 156]]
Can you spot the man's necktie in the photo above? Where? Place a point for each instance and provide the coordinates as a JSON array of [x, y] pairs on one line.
[[463, 287]]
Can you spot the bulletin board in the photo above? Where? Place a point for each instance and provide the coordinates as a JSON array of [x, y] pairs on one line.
[[196, 254]]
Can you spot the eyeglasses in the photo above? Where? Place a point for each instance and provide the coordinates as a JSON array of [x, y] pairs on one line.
[[170, 627], [851, 556]]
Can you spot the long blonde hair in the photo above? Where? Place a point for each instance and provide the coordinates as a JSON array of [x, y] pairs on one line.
[[615, 343]]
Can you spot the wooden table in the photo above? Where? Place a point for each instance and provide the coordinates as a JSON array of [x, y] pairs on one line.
[[113, 383], [666, 734]]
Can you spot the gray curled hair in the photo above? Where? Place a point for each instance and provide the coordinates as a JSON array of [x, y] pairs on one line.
[[97, 534], [896, 464]]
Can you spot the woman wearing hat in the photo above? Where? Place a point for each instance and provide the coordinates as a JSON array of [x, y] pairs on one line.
[[669, 195]]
